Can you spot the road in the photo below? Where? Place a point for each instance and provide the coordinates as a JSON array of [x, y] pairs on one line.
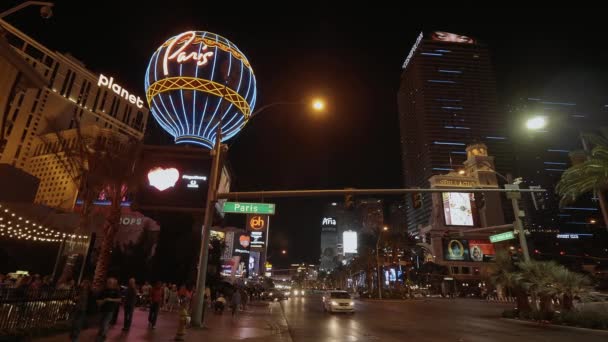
[[458, 320]]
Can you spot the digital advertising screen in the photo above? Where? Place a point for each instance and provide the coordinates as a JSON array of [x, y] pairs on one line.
[[349, 242], [451, 37], [468, 250], [173, 177], [481, 250], [458, 208]]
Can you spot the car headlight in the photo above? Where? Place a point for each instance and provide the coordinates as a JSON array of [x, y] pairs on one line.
[[333, 302], [302, 293], [351, 303], [270, 294], [295, 292]]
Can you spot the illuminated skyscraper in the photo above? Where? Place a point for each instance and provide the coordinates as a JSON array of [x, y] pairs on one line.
[[447, 100]]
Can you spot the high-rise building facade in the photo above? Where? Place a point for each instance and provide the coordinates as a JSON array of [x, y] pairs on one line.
[[73, 96], [447, 100], [542, 155]]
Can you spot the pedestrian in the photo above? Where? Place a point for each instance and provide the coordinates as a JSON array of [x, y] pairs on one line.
[[244, 298], [130, 300], [156, 299], [108, 301], [83, 297], [235, 302], [220, 303], [173, 300], [145, 291], [166, 290]]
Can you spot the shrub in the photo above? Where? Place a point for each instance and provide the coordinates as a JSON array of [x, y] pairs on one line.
[[509, 313], [585, 319]]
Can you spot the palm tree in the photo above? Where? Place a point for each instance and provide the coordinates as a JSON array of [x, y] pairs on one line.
[[588, 175], [116, 170], [567, 284], [506, 274]]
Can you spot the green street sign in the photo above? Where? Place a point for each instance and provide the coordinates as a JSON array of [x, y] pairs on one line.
[[502, 237], [249, 208]]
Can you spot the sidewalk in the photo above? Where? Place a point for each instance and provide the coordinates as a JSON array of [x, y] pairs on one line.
[[260, 322]]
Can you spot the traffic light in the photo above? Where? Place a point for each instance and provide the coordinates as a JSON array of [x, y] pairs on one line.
[[349, 200], [416, 200]]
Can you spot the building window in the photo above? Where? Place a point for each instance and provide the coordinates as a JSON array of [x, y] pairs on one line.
[[455, 270], [466, 270], [65, 82]]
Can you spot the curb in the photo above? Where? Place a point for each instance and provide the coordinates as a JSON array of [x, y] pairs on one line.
[[286, 324], [557, 326]]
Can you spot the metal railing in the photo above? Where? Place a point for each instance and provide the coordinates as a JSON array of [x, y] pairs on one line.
[[33, 309]]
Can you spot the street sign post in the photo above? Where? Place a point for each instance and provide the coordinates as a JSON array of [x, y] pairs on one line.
[[502, 237], [249, 208]]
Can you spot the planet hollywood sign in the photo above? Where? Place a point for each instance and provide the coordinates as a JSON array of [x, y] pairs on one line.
[[104, 81]]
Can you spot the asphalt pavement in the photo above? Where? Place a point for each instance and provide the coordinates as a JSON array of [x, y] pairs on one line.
[[459, 320]]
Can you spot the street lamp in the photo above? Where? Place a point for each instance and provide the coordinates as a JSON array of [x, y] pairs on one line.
[[384, 229], [318, 104], [46, 10], [536, 123], [216, 161]]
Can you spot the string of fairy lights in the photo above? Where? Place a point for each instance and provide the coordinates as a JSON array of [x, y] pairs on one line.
[[18, 227]]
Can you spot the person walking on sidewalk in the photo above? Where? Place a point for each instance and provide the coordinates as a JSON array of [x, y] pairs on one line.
[[130, 300], [235, 302], [156, 299], [109, 300], [83, 297]]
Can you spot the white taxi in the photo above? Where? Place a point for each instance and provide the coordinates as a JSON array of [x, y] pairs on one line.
[[338, 301]]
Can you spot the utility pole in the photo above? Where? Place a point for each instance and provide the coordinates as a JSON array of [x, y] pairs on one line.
[[515, 196]]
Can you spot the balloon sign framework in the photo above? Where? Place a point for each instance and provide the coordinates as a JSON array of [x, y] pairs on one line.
[[196, 81]]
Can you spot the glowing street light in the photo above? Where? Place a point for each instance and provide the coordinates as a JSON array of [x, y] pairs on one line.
[[461, 172], [385, 228], [593, 221], [283, 252], [536, 123], [318, 105]]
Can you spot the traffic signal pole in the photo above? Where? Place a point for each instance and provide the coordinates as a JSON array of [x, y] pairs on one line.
[[199, 296]]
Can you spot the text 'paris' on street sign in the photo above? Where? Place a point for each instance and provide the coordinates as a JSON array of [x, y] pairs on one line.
[[502, 237], [249, 208]]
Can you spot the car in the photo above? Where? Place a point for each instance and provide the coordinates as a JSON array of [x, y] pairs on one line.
[[338, 301], [298, 292], [274, 295]]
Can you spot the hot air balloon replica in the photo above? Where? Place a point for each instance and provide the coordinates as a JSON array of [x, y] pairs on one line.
[[196, 81]]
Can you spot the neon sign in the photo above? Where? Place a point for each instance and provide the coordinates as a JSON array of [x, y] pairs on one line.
[[163, 179], [196, 81], [200, 58], [118, 90], [328, 221]]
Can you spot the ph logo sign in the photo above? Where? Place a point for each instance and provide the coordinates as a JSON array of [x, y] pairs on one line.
[[257, 222]]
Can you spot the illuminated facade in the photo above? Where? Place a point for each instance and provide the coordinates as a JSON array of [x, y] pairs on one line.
[[196, 81], [51, 163], [447, 100], [72, 91]]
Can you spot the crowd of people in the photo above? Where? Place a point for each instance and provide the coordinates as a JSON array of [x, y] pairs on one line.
[[107, 301]]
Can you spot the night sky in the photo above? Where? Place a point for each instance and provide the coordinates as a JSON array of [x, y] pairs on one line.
[[351, 56]]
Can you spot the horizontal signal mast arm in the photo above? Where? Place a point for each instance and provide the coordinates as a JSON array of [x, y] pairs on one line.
[[340, 192]]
